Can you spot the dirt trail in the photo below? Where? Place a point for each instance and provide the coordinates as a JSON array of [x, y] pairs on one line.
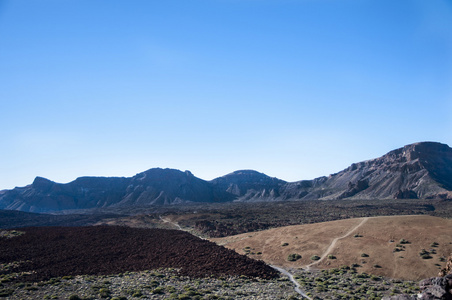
[[333, 243], [294, 281], [172, 223]]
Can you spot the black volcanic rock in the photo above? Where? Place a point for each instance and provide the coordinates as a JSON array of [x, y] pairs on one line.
[[421, 170]]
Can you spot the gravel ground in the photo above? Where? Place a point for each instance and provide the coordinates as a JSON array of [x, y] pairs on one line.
[[160, 284]]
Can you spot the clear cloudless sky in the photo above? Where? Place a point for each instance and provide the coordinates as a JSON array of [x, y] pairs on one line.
[[295, 89]]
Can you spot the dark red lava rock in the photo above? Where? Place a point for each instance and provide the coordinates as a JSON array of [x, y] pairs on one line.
[[101, 250]]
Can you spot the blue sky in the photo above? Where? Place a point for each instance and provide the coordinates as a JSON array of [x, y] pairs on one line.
[[295, 89]]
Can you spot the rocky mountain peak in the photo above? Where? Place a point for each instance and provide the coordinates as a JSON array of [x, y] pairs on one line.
[[246, 175], [41, 183], [422, 151]]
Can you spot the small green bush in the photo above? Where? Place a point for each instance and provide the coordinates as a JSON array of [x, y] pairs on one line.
[[285, 244], [293, 257], [158, 290], [315, 257], [137, 294], [104, 293], [364, 255]]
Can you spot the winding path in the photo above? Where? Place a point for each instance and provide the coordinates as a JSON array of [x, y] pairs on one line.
[[333, 243], [308, 267], [297, 285]]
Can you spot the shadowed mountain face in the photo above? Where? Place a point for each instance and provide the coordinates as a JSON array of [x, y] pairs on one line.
[[153, 187], [421, 170]]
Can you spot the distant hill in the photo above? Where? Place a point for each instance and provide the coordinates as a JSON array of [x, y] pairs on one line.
[[152, 187], [249, 185], [421, 170]]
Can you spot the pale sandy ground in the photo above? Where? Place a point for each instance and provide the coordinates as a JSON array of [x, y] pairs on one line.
[[379, 236]]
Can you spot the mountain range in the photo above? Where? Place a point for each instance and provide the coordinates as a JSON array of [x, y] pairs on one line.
[[420, 170]]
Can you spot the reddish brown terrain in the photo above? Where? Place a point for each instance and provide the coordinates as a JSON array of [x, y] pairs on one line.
[[49, 252]]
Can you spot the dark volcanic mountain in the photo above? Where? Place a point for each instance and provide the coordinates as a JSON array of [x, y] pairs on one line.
[[250, 185], [421, 170], [153, 187]]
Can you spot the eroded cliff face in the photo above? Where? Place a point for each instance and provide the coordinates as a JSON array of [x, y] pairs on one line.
[[421, 170]]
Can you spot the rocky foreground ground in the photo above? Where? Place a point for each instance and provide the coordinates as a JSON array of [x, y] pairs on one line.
[[120, 263], [156, 284], [42, 253]]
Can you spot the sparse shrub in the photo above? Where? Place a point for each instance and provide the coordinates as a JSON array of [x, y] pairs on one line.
[[6, 292], [315, 257], [137, 294], [293, 257], [364, 255], [424, 254], [331, 256], [357, 235], [403, 241], [285, 244], [104, 293], [154, 283], [74, 297], [377, 266], [434, 244]]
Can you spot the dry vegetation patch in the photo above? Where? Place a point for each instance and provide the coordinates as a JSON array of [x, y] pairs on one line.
[[385, 246]]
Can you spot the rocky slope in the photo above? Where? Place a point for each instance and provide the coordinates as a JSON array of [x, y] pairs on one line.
[[421, 170]]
